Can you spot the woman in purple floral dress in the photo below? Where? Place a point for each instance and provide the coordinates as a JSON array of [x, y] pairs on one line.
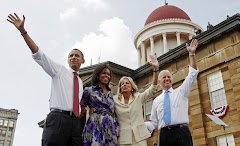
[[102, 127]]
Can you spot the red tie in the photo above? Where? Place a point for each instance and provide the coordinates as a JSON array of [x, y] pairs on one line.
[[76, 95]]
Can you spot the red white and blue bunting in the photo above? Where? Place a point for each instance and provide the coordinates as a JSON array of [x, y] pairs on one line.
[[220, 111]]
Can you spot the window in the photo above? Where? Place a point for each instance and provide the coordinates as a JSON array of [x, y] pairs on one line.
[[147, 109], [8, 143], [222, 141], [9, 133], [1, 122], [5, 123], [4, 133], [10, 123], [216, 90], [1, 142]]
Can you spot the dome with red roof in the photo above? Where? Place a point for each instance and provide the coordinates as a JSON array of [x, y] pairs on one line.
[[166, 12]]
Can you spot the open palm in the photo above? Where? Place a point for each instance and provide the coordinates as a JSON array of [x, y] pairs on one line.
[[153, 61], [16, 21], [192, 47]]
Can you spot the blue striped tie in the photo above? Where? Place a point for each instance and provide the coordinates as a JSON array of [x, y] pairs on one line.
[[167, 108]]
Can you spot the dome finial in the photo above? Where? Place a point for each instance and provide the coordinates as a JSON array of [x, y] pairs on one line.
[[166, 2]]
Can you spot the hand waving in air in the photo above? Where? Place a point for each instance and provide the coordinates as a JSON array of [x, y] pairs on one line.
[[192, 48], [154, 62], [16, 21], [19, 24]]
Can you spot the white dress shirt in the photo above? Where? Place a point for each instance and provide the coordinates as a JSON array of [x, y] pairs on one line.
[[62, 83], [178, 102]]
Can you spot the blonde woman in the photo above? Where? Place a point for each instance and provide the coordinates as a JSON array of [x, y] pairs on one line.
[[128, 108]]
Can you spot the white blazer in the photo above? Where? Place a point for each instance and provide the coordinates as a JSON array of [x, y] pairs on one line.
[[130, 117]]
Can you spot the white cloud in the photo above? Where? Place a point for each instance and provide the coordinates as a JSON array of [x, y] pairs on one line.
[[113, 43], [68, 13], [95, 4], [80, 7]]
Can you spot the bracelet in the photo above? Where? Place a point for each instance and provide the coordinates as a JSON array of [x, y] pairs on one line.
[[155, 70], [191, 54], [23, 33]]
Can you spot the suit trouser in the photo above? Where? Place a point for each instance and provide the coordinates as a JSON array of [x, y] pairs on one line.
[[61, 129], [179, 136]]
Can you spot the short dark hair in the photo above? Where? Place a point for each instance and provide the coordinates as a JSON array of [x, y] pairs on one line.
[[79, 51], [97, 72]]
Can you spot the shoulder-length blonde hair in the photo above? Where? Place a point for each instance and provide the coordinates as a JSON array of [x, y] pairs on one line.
[[134, 86]]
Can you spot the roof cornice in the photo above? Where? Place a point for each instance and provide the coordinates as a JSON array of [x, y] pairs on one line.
[[115, 68]]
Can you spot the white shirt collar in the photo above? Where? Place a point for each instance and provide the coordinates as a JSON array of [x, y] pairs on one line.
[[170, 90], [70, 69]]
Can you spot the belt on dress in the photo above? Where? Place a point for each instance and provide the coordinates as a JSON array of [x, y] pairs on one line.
[[169, 127], [70, 113]]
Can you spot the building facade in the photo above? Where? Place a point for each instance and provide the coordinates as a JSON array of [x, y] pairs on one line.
[[218, 82], [8, 121]]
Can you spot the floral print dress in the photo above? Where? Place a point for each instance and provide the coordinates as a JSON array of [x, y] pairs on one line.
[[102, 127]]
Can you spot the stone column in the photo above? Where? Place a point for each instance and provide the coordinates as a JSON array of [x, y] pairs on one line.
[[190, 36], [152, 45], [143, 53], [139, 57], [178, 38], [165, 49]]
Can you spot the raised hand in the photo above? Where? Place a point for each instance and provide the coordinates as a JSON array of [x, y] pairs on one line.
[[154, 62], [19, 24], [192, 48], [16, 21]]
